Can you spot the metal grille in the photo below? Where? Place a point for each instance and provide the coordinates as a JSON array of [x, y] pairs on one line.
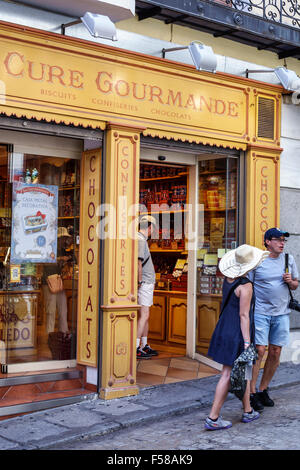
[[266, 115], [280, 11]]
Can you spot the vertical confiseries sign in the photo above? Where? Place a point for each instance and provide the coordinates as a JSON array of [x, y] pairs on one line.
[[88, 294]]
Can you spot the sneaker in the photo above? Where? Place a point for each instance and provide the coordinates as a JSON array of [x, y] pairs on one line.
[[264, 398], [255, 402], [248, 417], [140, 354], [148, 350], [211, 425]]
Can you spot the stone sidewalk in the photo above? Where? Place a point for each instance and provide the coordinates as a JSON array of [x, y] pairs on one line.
[[97, 417]]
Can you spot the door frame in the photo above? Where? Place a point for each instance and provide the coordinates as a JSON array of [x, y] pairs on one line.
[[192, 279], [191, 159]]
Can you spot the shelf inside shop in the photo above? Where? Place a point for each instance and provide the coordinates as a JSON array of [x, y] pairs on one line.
[[200, 294], [180, 175], [167, 251], [220, 210], [165, 291], [175, 211], [68, 188], [218, 172]]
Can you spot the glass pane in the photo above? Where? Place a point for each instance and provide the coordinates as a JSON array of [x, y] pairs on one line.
[[231, 229], [218, 199], [5, 226], [43, 207]]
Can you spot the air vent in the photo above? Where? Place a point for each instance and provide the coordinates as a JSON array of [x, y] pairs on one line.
[[266, 114]]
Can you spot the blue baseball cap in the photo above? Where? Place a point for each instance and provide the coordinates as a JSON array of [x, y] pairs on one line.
[[275, 233]]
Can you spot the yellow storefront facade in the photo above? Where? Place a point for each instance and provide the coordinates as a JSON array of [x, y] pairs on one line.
[[133, 98]]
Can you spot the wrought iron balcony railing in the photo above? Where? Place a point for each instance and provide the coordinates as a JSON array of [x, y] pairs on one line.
[[272, 25], [280, 11]]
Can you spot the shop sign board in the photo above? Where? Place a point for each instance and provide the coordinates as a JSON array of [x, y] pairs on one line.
[[34, 223], [54, 77]]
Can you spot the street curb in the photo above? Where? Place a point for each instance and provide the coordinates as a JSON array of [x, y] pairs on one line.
[[94, 418], [177, 410]]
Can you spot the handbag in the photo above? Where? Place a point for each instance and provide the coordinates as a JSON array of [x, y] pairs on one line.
[[60, 345], [55, 283], [293, 303]]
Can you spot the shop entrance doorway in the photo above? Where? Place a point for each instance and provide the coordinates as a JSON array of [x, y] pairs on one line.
[[165, 194], [187, 297]]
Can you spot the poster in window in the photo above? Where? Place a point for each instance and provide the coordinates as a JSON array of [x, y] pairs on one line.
[[34, 223]]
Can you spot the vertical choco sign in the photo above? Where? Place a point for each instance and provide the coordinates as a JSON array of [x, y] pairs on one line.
[[266, 195], [88, 295]]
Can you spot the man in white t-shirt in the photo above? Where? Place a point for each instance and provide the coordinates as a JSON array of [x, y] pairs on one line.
[[271, 314], [146, 283]]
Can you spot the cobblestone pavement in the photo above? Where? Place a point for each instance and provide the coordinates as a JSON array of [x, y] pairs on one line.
[[278, 428]]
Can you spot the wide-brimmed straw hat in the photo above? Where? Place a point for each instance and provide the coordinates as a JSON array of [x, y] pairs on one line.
[[243, 259]]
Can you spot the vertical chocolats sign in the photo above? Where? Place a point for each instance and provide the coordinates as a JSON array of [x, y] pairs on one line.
[[88, 300]]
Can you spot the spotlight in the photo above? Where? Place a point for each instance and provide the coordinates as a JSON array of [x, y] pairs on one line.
[[202, 55], [288, 78], [99, 26]]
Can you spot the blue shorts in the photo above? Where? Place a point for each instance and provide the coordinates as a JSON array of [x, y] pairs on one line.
[[271, 329]]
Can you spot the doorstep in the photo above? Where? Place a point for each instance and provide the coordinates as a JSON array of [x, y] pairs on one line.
[[25, 393]]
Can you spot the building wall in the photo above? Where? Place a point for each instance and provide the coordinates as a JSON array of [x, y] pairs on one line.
[[290, 185], [289, 206]]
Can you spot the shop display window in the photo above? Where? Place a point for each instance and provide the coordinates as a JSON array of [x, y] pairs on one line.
[[38, 239], [218, 203]]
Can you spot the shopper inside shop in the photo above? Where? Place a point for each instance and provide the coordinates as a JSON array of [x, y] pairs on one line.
[[146, 283], [57, 300]]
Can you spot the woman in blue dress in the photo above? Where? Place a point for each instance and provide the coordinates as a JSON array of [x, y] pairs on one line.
[[234, 331]]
